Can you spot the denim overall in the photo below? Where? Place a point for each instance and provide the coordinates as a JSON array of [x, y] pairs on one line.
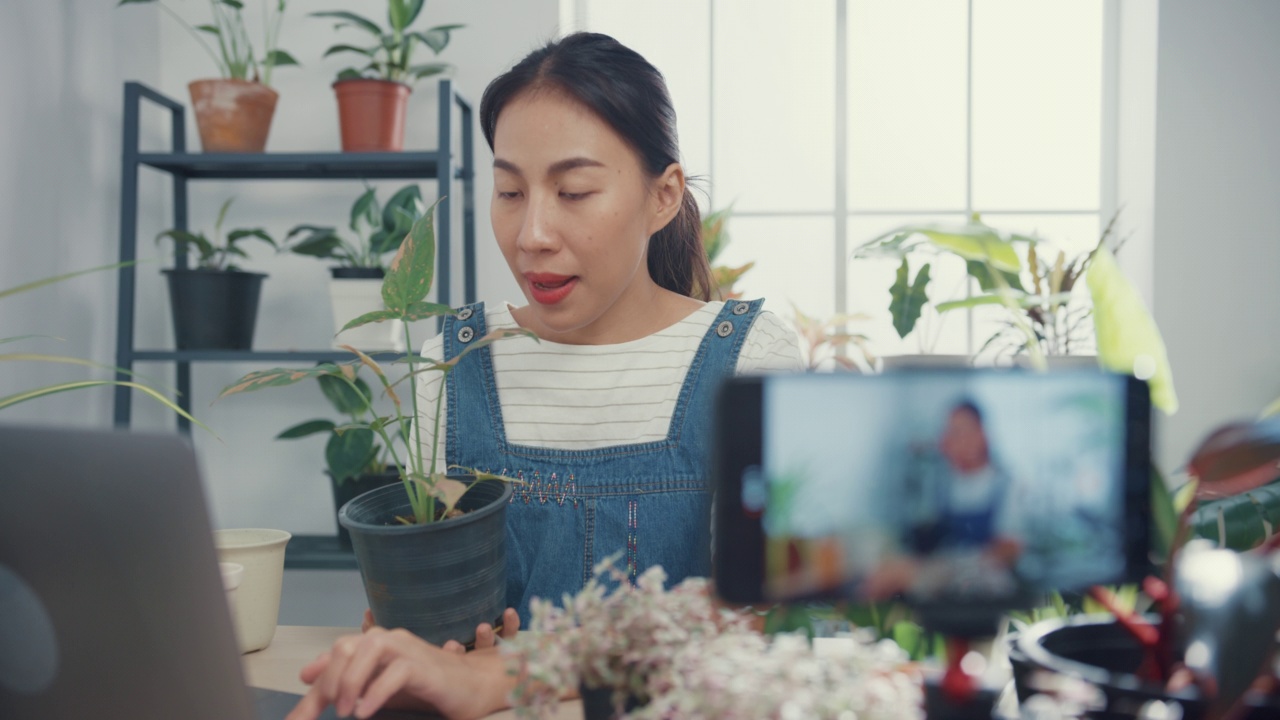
[[976, 527], [648, 501]]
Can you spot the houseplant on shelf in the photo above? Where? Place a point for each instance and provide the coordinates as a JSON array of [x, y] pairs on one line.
[[215, 305], [355, 462], [715, 238], [234, 111], [372, 98], [356, 284], [432, 549]]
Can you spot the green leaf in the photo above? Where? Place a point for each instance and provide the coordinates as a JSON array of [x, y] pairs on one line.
[[211, 29], [341, 48], [347, 453], [133, 2], [423, 310], [428, 69], [26, 395], [237, 235], [410, 274], [187, 239], [981, 272], [233, 4], [362, 209], [279, 58], [1128, 338], [59, 278], [350, 74], [310, 427], [397, 14], [344, 398], [222, 214], [319, 244], [352, 19], [1164, 514], [405, 204], [415, 8], [437, 38], [275, 377], [371, 317], [908, 298], [715, 238]]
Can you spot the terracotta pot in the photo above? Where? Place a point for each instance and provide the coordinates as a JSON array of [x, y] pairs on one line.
[[371, 114], [233, 115]]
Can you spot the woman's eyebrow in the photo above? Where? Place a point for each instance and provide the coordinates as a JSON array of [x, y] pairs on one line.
[[557, 168]]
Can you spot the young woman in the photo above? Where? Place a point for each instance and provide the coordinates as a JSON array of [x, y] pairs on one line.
[[606, 417]]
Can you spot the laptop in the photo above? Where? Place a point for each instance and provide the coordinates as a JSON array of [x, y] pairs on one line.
[[111, 601]]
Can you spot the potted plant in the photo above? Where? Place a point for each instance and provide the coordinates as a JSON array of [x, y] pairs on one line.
[[215, 304], [354, 461], [372, 98], [234, 111], [647, 652], [39, 392], [355, 287], [431, 549], [715, 238]]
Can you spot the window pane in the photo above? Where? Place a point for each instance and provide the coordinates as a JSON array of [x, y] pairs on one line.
[[774, 94], [871, 278], [1037, 103], [907, 104], [671, 34], [792, 258]]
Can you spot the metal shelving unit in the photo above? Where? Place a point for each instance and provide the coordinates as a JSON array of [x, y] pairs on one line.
[[183, 167]]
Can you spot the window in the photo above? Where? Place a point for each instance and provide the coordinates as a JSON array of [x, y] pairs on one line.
[[825, 124]]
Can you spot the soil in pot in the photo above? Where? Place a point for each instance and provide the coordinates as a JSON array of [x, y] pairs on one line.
[[233, 115], [371, 114], [597, 703], [214, 309], [439, 580], [353, 487]]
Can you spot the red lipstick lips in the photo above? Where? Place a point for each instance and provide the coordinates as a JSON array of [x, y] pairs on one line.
[[549, 288]]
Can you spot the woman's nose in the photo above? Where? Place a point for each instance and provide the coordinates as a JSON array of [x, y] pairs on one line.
[[538, 233]]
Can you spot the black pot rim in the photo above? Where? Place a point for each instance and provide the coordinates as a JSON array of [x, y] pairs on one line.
[[210, 271], [350, 273], [346, 521], [1029, 642]]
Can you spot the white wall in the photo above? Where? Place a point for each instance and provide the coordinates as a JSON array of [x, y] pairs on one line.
[[59, 193], [1217, 210]]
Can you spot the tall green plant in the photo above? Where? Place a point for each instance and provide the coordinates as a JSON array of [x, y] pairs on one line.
[[39, 392], [235, 56], [404, 290], [390, 54], [216, 253]]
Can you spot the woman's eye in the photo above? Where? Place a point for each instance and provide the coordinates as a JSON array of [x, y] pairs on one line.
[[512, 195], [574, 196]]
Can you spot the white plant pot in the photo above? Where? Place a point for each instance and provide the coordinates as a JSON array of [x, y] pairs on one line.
[[255, 604], [353, 297]]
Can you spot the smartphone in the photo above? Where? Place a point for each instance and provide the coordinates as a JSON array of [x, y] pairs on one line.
[[934, 486]]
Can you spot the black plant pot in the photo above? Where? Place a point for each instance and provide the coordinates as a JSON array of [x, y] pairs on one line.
[[438, 580], [1097, 649], [214, 309], [597, 704], [353, 487]]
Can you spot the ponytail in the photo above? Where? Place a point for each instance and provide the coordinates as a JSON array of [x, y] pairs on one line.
[[677, 260]]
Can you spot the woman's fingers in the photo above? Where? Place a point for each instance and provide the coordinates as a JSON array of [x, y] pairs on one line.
[[312, 670], [392, 679], [455, 647], [361, 667], [339, 657], [310, 706], [510, 623], [368, 622], [484, 636]]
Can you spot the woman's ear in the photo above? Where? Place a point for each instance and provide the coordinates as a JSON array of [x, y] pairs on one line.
[[668, 197]]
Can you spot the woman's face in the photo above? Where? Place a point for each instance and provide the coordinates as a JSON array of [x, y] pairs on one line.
[[573, 210], [964, 441]]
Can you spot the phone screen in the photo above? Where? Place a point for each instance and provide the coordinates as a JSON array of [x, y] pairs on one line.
[[945, 485]]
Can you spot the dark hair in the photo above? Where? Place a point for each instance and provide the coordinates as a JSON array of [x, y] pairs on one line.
[[629, 94]]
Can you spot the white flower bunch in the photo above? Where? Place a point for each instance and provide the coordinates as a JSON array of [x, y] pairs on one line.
[[680, 656]]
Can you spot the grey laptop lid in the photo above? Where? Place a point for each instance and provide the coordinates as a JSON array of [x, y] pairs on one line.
[[111, 602]]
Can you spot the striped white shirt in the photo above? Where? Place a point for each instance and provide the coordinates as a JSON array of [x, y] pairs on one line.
[[581, 397]]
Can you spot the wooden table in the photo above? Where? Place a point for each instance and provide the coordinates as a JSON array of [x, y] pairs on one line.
[[277, 667]]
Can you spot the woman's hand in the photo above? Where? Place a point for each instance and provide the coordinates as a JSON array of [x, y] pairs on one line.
[[485, 636], [394, 668]]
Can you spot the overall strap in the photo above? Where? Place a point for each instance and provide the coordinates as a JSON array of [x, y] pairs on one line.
[[466, 413], [716, 360]]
